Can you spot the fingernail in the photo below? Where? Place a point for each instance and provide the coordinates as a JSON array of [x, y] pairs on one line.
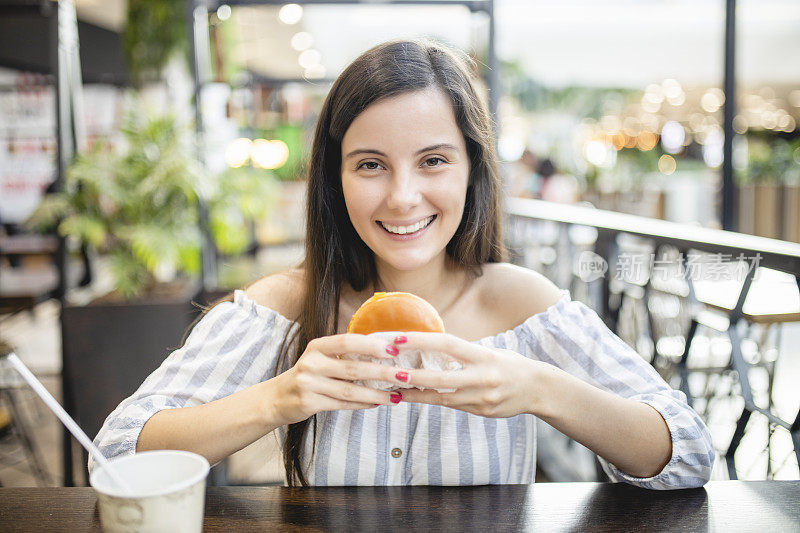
[[395, 397], [400, 339], [402, 376], [377, 404], [392, 350]]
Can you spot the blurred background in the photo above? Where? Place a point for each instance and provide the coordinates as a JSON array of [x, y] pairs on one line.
[[152, 155]]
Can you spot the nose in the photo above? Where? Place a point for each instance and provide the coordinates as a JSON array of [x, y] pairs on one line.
[[404, 190]]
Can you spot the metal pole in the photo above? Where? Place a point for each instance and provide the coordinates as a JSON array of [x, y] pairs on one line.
[[63, 127], [66, 67], [728, 207], [493, 77], [197, 26]]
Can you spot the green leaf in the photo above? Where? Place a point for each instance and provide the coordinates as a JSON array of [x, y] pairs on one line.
[[130, 276], [229, 231], [154, 31], [85, 228], [52, 208], [138, 200], [189, 259], [152, 244]]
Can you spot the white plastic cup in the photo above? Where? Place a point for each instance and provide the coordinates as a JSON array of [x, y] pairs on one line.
[[168, 490]]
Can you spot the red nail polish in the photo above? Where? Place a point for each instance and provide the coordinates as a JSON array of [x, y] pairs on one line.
[[392, 350], [400, 339], [395, 397], [402, 376]]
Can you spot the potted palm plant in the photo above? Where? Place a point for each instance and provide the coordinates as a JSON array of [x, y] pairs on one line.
[[136, 203]]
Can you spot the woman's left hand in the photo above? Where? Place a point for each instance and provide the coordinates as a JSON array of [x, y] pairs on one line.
[[494, 382]]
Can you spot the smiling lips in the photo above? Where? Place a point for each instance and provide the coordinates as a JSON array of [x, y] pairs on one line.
[[405, 230]]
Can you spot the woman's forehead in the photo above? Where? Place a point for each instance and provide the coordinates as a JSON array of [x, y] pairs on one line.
[[406, 122]]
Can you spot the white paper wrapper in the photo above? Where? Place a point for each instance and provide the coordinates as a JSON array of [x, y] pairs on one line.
[[409, 359]]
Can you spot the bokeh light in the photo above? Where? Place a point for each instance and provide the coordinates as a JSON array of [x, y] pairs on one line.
[[291, 14], [269, 154], [600, 154], [667, 164], [510, 147], [672, 137], [712, 100], [309, 58], [302, 40], [224, 12], [238, 152], [740, 124], [315, 72], [646, 141], [713, 147]]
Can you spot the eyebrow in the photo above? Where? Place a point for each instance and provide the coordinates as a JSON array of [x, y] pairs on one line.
[[418, 152]]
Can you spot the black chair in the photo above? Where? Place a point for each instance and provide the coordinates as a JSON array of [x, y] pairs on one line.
[[16, 429], [767, 302], [106, 358]]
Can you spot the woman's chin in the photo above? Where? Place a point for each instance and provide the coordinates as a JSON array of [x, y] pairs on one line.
[[407, 263]]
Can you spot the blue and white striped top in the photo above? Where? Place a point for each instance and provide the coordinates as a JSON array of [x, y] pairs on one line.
[[236, 345]]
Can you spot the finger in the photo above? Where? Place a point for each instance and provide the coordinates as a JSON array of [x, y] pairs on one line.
[[326, 403], [338, 405], [432, 397], [360, 371], [439, 379], [351, 392], [351, 343], [451, 345]]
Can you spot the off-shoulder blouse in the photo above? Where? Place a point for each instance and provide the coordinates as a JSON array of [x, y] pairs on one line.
[[237, 343]]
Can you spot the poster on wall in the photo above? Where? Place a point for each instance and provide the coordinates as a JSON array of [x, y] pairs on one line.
[[27, 143], [28, 147]]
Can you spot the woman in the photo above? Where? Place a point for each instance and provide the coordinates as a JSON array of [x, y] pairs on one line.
[[403, 195]]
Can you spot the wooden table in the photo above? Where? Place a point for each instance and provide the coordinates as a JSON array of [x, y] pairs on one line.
[[770, 506]]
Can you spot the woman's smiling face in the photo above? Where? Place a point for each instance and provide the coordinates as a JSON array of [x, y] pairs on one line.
[[405, 172]]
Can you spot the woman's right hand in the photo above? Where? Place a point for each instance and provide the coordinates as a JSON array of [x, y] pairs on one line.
[[320, 381]]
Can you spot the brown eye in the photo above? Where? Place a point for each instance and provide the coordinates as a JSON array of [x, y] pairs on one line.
[[368, 165], [434, 162]]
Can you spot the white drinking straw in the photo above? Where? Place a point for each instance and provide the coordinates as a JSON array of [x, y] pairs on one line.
[[72, 426]]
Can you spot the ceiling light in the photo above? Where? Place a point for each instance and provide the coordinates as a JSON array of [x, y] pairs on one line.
[[309, 58], [667, 164], [302, 41], [315, 72], [269, 154], [672, 137], [238, 152], [224, 12], [291, 13]]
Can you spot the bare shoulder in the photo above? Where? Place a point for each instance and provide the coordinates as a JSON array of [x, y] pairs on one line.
[[281, 292], [515, 292]]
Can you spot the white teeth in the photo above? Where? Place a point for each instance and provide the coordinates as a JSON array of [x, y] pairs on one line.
[[402, 230]]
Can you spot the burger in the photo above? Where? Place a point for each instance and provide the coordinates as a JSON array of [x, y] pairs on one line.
[[395, 311], [388, 313]]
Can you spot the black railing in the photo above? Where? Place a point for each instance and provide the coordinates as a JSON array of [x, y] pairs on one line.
[[534, 226]]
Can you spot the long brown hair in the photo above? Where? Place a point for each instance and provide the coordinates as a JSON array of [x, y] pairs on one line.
[[334, 253]]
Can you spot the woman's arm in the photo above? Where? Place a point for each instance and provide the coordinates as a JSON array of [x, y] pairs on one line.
[[630, 434], [213, 395], [565, 366], [319, 381], [573, 338], [215, 430]]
